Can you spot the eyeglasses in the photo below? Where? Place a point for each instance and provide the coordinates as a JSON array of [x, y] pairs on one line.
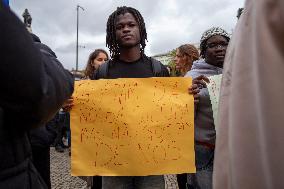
[[217, 45]]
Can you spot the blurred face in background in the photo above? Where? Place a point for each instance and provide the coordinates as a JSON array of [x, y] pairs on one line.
[[99, 60], [181, 61]]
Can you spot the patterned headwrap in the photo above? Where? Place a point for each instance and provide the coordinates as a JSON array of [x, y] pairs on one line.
[[211, 32]]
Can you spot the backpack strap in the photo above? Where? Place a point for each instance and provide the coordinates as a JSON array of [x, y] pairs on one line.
[[156, 66]]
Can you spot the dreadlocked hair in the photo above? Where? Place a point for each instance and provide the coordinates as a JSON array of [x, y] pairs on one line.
[[111, 41]]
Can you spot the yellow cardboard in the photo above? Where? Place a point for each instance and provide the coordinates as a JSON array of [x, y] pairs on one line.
[[132, 127]]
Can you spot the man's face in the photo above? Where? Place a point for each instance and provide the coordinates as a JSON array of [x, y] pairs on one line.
[[215, 52], [127, 31]]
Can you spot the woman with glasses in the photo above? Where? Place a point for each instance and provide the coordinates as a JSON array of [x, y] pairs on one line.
[[213, 47]]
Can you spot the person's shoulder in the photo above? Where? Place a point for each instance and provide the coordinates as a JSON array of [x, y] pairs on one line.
[[164, 71], [193, 73], [189, 74], [35, 38], [102, 71], [153, 60], [159, 69], [46, 49], [42, 47]]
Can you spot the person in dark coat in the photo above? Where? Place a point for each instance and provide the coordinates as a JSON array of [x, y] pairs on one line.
[[41, 138], [63, 125], [34, 85]]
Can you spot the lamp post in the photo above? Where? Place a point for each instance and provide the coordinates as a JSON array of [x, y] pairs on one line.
[[78, 6]]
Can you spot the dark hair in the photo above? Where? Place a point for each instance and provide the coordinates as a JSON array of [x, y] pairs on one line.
[[203, 46], [111, 41], [90, 69]]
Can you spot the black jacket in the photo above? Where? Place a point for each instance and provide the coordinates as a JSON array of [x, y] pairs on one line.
[[45, 135], [34, 86]]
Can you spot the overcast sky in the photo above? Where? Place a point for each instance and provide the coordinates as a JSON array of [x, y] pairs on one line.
[[169, 23]]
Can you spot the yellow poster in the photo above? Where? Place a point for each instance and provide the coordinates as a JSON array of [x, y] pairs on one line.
[[132, 127]]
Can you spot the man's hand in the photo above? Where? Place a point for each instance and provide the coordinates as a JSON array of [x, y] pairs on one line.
[[197, 84], [68, 104]]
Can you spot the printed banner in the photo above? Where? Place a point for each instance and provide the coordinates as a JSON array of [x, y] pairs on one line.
[[132, 127]]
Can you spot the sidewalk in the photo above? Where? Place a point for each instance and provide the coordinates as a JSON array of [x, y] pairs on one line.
[[61, 178]]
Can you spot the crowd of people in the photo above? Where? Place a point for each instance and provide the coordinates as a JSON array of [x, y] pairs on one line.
[[245, 152]]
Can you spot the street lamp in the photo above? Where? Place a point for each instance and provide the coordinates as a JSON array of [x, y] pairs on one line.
[[78, 6]]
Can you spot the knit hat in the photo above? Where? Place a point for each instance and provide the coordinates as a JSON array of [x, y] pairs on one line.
[[211, 32]]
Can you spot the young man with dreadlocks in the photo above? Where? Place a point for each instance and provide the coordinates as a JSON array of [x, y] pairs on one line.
[[126, 40]]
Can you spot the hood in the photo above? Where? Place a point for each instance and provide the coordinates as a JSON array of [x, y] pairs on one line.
[[35, 38], [201, 65]]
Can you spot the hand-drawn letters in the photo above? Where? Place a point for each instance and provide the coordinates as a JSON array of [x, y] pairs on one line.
[[132, 127]]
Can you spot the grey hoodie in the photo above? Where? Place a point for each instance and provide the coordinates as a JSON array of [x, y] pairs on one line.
[[203, 119]]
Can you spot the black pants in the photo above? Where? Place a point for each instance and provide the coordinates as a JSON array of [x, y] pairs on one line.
[[182, 179], [41, 160], [97, 182], [63, 126]]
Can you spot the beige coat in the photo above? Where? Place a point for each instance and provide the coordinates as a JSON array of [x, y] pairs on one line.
[[250, 138]]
